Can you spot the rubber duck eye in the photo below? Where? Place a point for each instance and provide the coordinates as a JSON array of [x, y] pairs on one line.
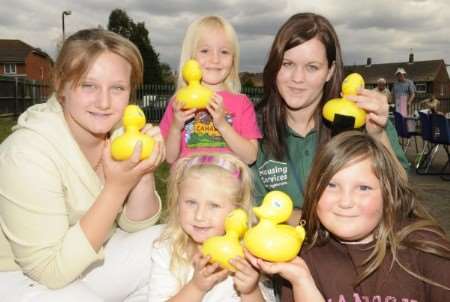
[[276, 204]]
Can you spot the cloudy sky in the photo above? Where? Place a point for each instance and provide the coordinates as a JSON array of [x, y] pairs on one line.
[[383, 30]]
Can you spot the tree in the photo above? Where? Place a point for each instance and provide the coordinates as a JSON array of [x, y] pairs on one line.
[[120, 23], [246, 80], [167, 74]]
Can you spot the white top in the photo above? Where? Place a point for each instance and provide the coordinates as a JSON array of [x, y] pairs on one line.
[[164, 285], [46, 186]]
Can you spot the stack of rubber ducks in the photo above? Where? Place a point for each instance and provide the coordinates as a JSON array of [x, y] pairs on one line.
[[122, 146], [270, 239], [194, 95], [342, 106]]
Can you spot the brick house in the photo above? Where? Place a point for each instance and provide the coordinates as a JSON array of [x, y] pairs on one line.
[[430, 77], [18, 59]]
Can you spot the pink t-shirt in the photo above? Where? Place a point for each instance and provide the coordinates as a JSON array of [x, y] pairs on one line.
[[200, 135]]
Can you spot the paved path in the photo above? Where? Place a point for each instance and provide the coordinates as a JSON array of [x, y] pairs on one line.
[[435, 191]]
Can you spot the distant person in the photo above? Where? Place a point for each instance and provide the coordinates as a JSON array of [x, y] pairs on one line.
[[381, 88], [431, 105], [403, 93], [229, 122], [369, 238], [74, 222]]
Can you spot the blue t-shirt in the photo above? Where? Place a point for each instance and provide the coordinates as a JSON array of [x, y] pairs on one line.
[[402, 88]]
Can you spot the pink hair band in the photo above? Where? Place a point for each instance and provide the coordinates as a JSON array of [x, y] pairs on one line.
[[215, 161]]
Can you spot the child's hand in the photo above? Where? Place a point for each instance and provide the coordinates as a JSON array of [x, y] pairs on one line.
[[180, 116], [296, 272], [217, 111], [159, 150], [206, 275], [246, 277], [127, 173], [124, 175]]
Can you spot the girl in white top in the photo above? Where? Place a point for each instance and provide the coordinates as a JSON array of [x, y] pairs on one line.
[[202, 190], [74, 223]]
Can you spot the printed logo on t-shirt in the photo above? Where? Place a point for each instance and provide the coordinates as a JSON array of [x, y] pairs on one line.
[[273, 174], [200, 132], [357, 298]]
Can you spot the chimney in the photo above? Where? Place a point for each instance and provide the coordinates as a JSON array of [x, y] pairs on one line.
[[369, 62], [411, 57]]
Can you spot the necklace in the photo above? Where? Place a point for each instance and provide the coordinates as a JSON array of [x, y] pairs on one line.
[[97, 165]]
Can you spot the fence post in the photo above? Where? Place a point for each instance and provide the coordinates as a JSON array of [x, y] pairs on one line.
[[16, 96], [33, 92]]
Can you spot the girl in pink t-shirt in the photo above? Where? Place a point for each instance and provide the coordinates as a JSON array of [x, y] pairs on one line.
[[229, 122]]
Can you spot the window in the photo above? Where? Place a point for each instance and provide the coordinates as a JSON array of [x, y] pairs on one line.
[[10, 69], [421, 87]]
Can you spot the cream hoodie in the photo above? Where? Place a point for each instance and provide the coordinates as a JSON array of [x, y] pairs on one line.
[[46, 185]]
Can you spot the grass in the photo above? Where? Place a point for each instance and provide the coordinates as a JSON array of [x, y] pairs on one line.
[[5, 127], [161, 175]]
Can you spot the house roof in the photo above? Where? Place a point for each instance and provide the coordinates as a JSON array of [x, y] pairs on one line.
[[15, 51], [422, 71]]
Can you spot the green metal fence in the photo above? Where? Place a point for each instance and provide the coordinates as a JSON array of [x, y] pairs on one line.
[[153, 99], [17, 94]]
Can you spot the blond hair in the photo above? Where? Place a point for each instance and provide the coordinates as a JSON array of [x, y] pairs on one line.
[[229, 173], [432, 104], [81, 50], [403, 214], [190, 43]]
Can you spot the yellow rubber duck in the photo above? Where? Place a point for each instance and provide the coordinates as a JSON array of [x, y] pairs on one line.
[[133, 121], [342, 106], [226, 247], [351, 84], [194, 95], [270, 240]]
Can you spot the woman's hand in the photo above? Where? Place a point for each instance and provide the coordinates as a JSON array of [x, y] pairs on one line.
[[180, 116], [206, 275], [246, 276], [377, 108], [217, 111]]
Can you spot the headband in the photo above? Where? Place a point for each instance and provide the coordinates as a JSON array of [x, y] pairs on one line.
[[214, 161]]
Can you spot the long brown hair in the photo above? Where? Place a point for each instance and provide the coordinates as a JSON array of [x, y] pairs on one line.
[[297, 30], [403, 212]]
